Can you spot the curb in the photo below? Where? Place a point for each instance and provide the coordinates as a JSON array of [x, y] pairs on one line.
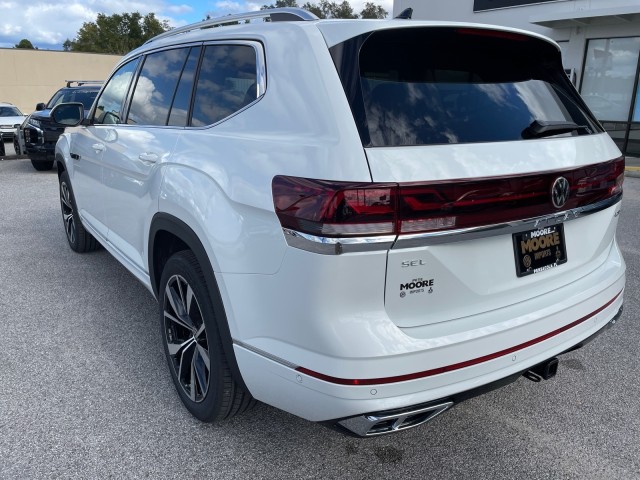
[[632, 172]]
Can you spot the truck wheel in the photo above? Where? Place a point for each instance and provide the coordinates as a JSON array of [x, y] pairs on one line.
[[42, 165]]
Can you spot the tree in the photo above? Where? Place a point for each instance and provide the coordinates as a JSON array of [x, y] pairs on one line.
[[327, 9], [280, 4], [26, 44], [371, 10], [117, 33]]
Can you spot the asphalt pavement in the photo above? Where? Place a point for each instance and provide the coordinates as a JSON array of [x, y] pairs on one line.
[[85, 391]]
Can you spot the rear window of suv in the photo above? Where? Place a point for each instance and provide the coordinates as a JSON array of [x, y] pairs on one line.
[[426, 86]]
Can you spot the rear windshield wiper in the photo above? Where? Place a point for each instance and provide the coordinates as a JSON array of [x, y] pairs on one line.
[[542, 128]]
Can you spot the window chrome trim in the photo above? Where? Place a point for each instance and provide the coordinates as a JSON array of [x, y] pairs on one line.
[[337, 246]]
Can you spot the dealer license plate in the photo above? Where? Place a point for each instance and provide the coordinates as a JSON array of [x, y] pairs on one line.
[[539, 250]]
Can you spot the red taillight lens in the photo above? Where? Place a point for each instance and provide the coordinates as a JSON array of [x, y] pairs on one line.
[[343, 209], [335, 209]]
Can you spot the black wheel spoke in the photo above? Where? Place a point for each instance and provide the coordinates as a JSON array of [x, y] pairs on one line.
[[201, 373], [177, 302], [204, 355], [177, 320], [176, 349]]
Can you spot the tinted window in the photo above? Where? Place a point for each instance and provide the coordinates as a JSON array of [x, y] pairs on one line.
[[9, 112], [156, 86], [110, 103], [180, 108], [226, 83], [440, 85], [83, 95]]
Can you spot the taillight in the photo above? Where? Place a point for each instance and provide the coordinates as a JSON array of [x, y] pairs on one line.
[[335, 209], [344, 209]]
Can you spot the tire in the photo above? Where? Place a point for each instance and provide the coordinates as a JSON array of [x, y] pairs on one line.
[[16, 145], [42, 165], [191, 341], [79, 239]]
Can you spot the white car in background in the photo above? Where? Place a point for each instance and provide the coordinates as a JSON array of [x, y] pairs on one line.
[[359, 222], [10, 119]]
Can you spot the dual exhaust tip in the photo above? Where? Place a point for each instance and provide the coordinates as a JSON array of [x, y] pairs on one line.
[[390, 421], [373, 424]]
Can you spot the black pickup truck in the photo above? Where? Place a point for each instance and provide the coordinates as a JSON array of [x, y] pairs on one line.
[[41, 133]]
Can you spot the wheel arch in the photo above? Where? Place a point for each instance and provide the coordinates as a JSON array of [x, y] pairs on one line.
[[59, 163], [168, 235]]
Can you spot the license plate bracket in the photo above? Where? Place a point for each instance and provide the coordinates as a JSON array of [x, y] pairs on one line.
[[539, 249]]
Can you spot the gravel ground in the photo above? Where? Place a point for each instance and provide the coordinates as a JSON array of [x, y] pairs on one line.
[[86, 392]]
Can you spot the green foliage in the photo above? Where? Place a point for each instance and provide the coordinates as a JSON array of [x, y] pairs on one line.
[[26, 44], [371, 10], [327, 9], [280, 4], [116, 34]]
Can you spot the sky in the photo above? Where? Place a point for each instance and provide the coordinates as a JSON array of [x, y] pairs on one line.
[[47, 24]]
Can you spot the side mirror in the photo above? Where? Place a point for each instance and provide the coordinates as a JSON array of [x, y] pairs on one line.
[[40, 106], [68, 114]]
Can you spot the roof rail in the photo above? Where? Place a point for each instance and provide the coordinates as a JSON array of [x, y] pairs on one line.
[[272, 14], [83, 82]]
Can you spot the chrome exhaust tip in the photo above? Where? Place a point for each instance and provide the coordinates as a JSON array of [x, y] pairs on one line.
[[391, 421]]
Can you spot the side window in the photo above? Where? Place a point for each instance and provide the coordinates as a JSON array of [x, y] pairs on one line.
[[180, 108], [110, 103], [156, 86], [226, 83]]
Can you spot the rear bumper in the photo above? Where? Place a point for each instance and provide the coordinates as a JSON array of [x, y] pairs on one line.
[[368, 424], [276, 382]]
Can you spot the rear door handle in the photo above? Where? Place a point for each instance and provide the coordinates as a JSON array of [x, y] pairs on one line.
[[98, 147], [148, 157]]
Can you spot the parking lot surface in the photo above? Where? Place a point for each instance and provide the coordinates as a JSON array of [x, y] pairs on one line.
[[86, 392]]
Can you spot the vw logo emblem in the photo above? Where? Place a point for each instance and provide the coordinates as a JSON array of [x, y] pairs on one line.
[[560, 192]]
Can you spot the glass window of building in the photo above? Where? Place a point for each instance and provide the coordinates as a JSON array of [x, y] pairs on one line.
[[609, 77]]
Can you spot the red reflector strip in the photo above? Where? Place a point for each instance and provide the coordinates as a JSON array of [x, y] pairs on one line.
[[455, 366]]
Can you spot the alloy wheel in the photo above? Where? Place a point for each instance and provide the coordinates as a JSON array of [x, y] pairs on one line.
[[68, 216], [186, 338]]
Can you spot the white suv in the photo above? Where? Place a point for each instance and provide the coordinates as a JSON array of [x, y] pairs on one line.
[[359, 222]]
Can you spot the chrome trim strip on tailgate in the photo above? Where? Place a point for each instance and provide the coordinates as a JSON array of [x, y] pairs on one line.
[[337, 246], [450, 236]]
